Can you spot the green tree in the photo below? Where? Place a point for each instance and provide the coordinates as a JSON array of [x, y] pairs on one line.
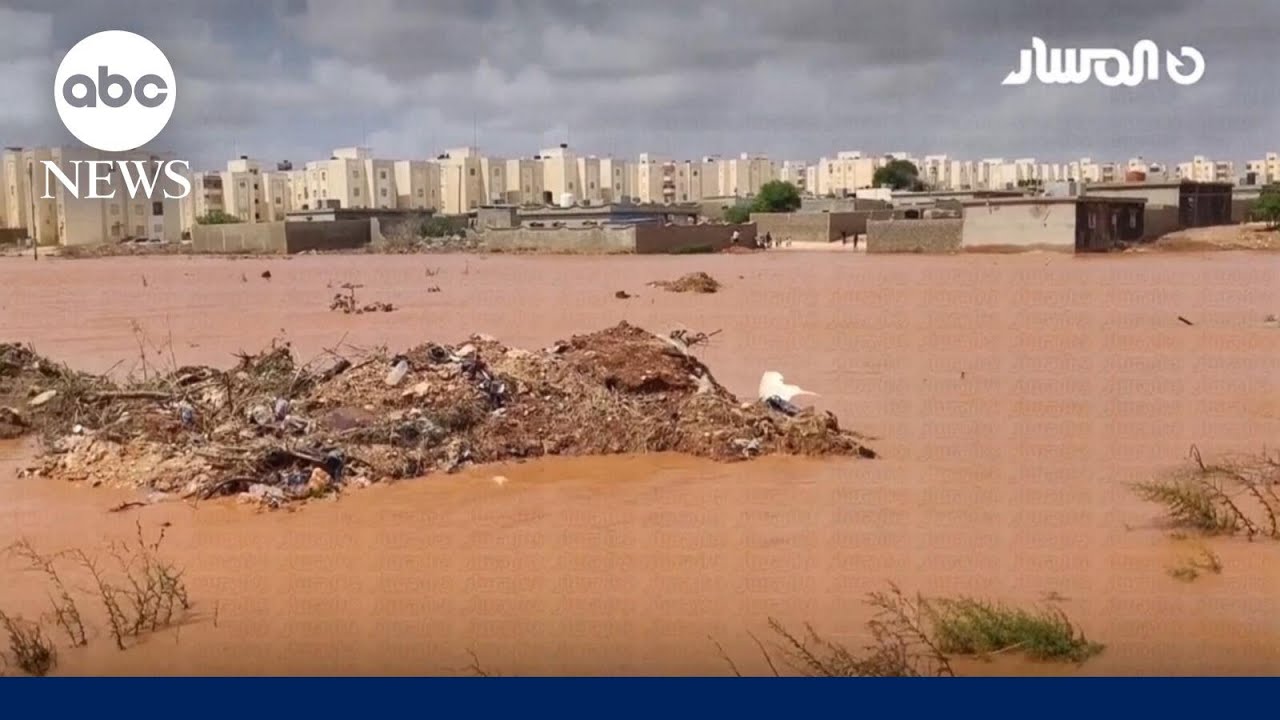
[[1267, 208], [777, 196], [898, 175], [217, 217], [737, 214]]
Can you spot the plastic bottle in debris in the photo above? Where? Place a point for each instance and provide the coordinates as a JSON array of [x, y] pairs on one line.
[[397, 373]]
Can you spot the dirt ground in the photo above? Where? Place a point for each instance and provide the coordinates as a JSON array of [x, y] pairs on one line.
[[1247, 236], [1012, 399]]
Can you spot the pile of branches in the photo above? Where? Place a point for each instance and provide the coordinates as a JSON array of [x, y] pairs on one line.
[[277, 431]]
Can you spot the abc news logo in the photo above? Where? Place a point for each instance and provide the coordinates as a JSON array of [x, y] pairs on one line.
[[115, 91]]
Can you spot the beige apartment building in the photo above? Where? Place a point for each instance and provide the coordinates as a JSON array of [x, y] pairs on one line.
[[469, 180], [13, 170], [1265, 171], [647, 178], [85, 221], [589, 180], [524, 182], [417, 184], [793, 171], [1202, 169], [744, 175], [560, 175], [614, 180], [206, 197], [847, 172]]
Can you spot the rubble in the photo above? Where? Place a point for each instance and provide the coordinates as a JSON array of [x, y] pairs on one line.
[[278, 432], [348, 305], [696, 282]]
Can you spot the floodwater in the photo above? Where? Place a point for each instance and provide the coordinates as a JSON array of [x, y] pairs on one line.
[[1014, 398]]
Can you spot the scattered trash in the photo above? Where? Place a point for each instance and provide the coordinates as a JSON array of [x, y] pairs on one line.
[[697, 282], [499, 480], [42, 398], [186, 413], [266, 274], [1185, 321], [273, 432], [771, 385], [433, 289], [12, 424], [398, 371], [623, 295], [348, 305]]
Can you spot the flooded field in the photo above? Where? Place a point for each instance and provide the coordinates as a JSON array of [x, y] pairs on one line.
[[1013, 398]]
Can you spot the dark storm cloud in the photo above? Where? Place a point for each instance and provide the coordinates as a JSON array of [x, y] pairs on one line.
[[294, 78]]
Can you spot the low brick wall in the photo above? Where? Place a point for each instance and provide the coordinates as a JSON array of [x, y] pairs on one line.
[[914, 236], [327, 236], [603, 240], [653, 239], [239, 238]]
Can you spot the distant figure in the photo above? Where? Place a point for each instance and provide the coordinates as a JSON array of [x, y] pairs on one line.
[[844, 238], [733, 239], [768, 240], [855, 242]]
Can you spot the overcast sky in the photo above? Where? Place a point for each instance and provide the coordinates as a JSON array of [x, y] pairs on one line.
[[795, 79]]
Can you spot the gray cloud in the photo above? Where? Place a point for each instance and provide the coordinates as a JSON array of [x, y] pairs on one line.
[[295, 78]]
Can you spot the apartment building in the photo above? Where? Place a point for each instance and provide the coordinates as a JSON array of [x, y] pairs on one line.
[[648, 177], [417, 184], [13, 171], [206, 197], [1265, 171], [589, 180], [794, 171], [524, 182], [744, 175], [242, 190], [86, 221], [614, 180], [469, 180], [560, 174], [1202, 169], [847, 172]]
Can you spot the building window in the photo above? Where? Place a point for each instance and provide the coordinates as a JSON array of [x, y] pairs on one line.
[[382, 174], [138, 230], [1133, 220], [255, 186], [278, 201], [471, 172], [383, 192], [591, 186], [323, 176], [356, 192], [241, 184], [419, 192], [495, 172], [355, 173], [157, 208], [137, 209]]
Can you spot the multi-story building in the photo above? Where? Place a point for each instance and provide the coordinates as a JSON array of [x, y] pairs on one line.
[[793, 171], [524, 182], [614, 180], [744, 175], [589, 180], [417, 185], [1265, 171], [205, 198], [469, 180], [847, 172], [242, 190], [13, 172], [560, 174], [89, 221], [1202, 169], [648, 175]]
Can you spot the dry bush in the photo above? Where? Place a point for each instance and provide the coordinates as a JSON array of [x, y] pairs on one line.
[[65, 611], [966, 626], [31, 650], [915, 637], [1191, 568], [696, 282], [1236, 495]]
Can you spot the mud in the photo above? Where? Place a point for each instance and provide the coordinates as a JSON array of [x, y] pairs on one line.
[[1014, 398]]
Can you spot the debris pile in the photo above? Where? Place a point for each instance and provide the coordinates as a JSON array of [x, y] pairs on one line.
[[697, 282], [346, 302], [274, 431]]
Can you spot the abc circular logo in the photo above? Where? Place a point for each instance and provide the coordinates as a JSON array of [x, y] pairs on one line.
[[115, 91]]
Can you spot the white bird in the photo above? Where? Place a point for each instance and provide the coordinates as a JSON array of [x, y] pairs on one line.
[[771, 385]]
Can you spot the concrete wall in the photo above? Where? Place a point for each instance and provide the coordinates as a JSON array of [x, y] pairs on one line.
[[927, 236], [327, 236], [1242, 209], [561, 240], [240, 238], [1160, 195], [655, 239], [1020, 225], [846, 204], [1159, 220], [799, 227]]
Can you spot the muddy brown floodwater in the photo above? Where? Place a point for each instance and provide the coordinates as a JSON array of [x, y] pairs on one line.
[[1014, 397]]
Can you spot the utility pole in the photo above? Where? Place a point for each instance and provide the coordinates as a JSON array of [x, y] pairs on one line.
[[31, 186]]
